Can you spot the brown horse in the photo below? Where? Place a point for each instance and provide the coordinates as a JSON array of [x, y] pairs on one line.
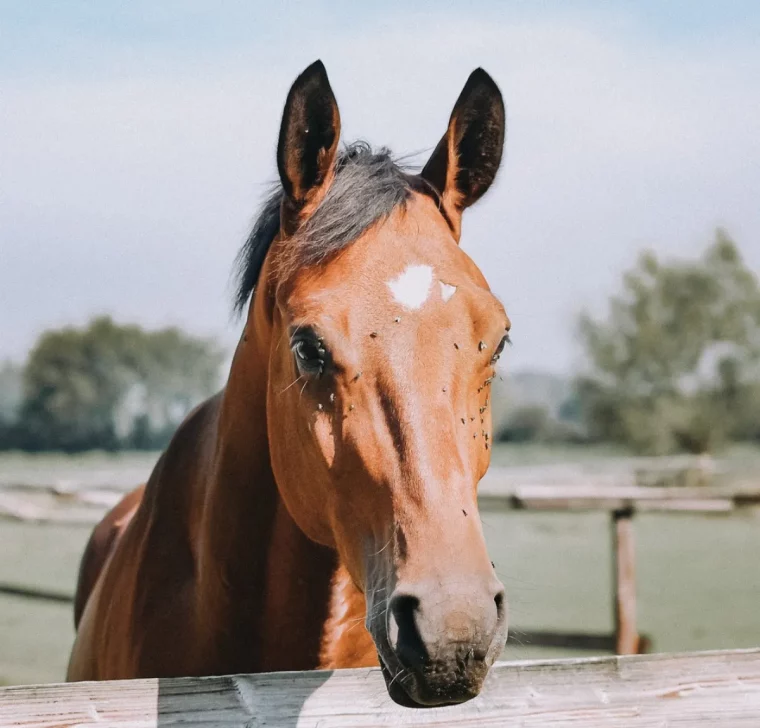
[[320, 512]]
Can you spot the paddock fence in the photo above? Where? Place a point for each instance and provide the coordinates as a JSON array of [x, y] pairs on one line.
[[673, 486], [691, 689]]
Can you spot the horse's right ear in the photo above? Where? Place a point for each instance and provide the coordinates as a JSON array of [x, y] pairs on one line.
[[308, 142]]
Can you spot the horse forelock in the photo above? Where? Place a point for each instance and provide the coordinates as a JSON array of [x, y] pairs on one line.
[[367, 186]]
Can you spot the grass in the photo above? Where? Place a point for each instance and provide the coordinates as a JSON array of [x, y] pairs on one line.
[[698, 580]]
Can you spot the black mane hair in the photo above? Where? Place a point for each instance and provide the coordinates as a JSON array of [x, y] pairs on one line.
[[368, 185]]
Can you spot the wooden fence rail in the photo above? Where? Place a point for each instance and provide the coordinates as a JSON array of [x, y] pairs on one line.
[[86, 507], [498, 492], [692, 689]]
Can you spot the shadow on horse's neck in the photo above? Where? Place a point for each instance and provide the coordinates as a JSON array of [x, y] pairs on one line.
[[262, 581]]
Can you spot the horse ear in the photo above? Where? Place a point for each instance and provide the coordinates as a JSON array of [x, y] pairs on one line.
[[465, 162], [308, 138]]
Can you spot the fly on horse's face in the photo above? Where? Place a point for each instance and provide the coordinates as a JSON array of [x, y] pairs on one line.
[[382, 338]]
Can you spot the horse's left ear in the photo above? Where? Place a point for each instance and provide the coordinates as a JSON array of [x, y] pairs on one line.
[[465, 162], [308, 142]]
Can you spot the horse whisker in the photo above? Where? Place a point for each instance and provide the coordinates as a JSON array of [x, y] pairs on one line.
[[291, 384], [384, 547]]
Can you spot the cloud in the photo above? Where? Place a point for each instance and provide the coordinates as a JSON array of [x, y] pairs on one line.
[[129, 188]]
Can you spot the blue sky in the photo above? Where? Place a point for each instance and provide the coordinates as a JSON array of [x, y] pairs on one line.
[[66, 27], [136, 139]]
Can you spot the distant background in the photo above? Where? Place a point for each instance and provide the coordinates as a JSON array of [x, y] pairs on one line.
[[136, 140], [623, 235]]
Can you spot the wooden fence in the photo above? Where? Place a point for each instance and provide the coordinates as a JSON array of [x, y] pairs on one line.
[[621, 503], [498, 491], [693, 689]]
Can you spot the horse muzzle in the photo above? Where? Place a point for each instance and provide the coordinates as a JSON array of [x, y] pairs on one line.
[[438, 641]]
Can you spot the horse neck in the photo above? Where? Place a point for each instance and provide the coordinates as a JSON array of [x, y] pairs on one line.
[[264, 587]]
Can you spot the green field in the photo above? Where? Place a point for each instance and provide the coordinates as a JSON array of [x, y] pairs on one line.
[[698, 576]]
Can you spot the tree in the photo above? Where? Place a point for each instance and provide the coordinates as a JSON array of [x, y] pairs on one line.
[[10, 402], [676, 360], [110, 385], [10, 392], [527, 423]]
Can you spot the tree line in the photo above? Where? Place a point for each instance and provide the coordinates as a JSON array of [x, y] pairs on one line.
[[672, 366], [105, 386]]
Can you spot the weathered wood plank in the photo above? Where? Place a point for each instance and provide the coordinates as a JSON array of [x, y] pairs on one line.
[[536, 500], [86, 507], [502, 482], [496, 493], [698, 689], [76, 508], [624, 583]]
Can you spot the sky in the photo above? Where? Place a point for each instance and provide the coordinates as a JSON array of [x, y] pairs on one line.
[[137, 140]]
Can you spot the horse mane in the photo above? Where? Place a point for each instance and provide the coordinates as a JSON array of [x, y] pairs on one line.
[[368, 185]]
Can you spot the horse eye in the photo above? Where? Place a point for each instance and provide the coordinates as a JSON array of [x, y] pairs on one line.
[[500, 348], [310, 356]]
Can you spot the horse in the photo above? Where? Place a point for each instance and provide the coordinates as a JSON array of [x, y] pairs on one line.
[[320, 512]]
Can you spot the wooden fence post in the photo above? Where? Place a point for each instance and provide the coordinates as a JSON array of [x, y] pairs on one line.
[[624, 582]]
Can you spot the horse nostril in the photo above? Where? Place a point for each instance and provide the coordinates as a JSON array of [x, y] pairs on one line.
[[499, 600], [409, 646]]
